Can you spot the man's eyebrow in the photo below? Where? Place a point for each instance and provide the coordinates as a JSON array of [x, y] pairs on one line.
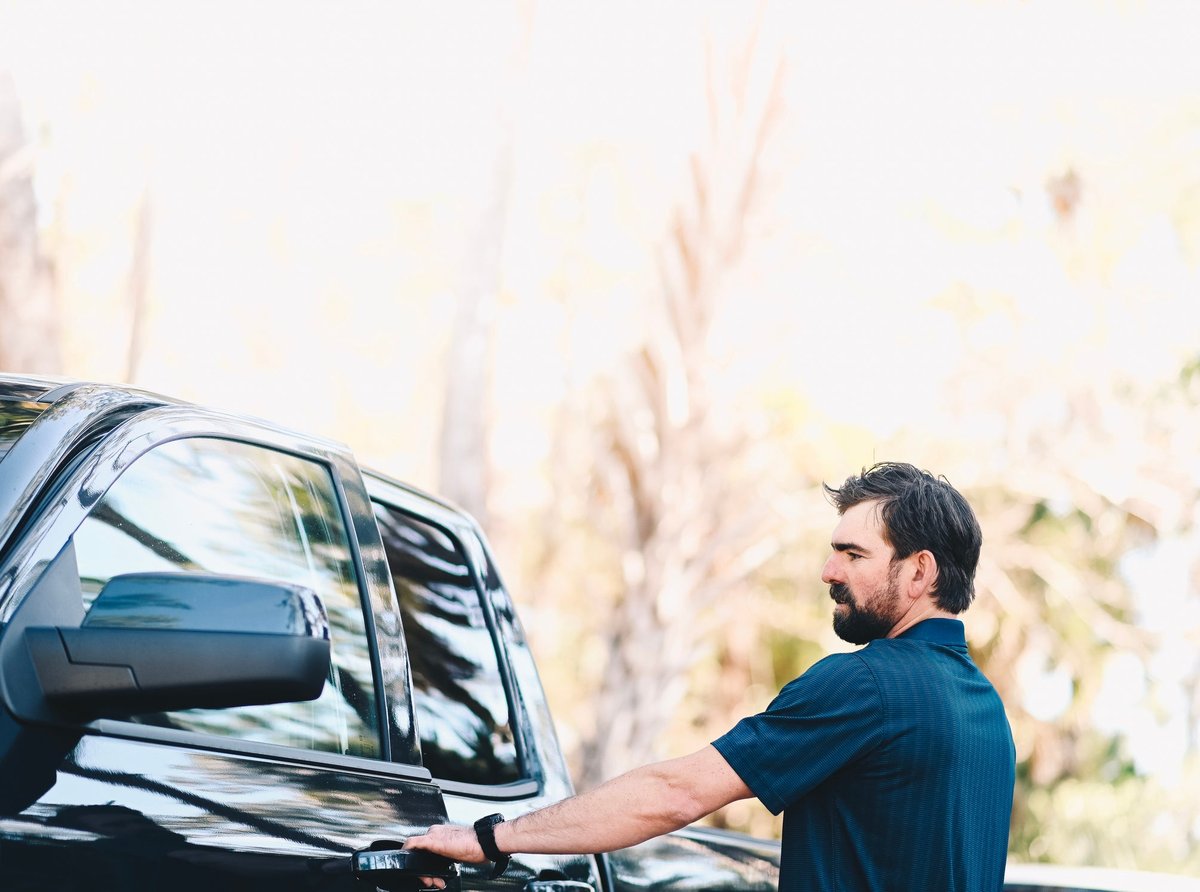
[[849, 546]]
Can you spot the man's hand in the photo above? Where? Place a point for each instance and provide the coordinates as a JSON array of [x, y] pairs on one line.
[[450, 841]]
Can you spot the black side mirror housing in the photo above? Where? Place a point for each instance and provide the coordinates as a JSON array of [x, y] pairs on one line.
[[156, 642], [151, 643]]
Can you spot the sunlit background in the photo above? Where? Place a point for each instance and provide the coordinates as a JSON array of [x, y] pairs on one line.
[[629, 280]]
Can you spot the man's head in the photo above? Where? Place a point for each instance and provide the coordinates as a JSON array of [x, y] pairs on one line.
[[905, 538]]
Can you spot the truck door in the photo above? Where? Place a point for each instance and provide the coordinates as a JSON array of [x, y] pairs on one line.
[[272, 797], [483, 727]]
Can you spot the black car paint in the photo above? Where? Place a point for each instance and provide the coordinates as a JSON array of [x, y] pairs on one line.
[[132, 806]]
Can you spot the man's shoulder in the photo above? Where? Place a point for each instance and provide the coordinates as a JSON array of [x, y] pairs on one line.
[[946, 673], [891, 661]]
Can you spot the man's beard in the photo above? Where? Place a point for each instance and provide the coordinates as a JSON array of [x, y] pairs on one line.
[[877, 616]]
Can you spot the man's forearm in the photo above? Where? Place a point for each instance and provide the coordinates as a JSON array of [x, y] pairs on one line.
[[624, 811], [629, 809]]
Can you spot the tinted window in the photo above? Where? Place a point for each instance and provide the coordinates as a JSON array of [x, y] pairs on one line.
[[462, 711], [215, 506]]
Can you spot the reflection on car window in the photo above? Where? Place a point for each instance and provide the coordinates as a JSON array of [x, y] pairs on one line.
[[216, 506], [15, 418], [459, 699]]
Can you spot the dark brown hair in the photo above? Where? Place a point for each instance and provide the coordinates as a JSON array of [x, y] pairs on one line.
[[921, 512]]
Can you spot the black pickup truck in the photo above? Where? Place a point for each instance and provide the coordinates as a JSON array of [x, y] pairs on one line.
[[231, 659]]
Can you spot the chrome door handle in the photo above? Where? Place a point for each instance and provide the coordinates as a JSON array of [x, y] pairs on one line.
[[385, 862]]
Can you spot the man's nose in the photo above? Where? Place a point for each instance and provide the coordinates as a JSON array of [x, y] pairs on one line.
[[830, 572]]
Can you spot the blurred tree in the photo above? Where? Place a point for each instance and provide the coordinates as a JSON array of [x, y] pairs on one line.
[[1095, 474], [139, 286], [688, 522], [28, 317]]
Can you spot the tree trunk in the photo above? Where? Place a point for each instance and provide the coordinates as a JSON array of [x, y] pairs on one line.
[[463, 460], [695, 523]]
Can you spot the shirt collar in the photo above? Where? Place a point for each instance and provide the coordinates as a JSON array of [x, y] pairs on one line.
[[949, 632]]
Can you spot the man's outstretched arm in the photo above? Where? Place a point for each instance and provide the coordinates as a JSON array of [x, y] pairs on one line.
[[624, 811]]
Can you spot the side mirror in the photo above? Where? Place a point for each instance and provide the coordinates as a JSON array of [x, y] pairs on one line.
[[156, 642], [152, 642]]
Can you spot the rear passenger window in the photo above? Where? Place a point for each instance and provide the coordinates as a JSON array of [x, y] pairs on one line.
[[458, 694], [216, 506]]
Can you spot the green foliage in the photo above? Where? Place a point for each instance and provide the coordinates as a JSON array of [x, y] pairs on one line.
[[1131, 822]]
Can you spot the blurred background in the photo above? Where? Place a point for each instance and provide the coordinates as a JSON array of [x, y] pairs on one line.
[[629, 281]]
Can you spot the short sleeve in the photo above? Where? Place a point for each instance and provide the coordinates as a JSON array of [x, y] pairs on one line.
[[818, 723]]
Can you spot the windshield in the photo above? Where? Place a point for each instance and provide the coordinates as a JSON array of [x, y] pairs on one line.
[[15, 417]]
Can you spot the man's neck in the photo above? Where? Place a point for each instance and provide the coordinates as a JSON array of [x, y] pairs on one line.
[[918, 614]]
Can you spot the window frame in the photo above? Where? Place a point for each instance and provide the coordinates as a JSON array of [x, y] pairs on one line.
[[72, 493], [395, 496]]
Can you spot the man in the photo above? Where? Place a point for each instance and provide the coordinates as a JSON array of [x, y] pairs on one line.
[[893, 765]]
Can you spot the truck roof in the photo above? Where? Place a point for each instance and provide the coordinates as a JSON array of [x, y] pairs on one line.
[[28, 396]]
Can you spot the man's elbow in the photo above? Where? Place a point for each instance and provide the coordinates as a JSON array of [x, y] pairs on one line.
[[678, 801]]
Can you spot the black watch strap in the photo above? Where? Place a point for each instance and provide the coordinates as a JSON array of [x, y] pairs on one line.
[[485, 832]]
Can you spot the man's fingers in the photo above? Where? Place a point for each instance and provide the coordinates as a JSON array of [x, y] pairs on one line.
[[450, 840], [423, 843]]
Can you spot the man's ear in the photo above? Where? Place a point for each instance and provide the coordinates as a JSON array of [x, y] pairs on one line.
[[924, 573]]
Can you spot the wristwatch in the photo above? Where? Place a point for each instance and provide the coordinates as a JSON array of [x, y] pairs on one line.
[[485, 832]]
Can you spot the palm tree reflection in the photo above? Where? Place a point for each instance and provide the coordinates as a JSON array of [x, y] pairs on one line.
[[459, 697]]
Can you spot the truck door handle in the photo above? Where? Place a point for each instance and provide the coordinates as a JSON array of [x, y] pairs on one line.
[[558, 886], [384, 862]]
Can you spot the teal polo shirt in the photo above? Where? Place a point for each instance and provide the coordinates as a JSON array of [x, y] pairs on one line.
[[893, 765]]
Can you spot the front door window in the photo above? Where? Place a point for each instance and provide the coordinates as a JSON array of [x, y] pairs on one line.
[[206, 505]]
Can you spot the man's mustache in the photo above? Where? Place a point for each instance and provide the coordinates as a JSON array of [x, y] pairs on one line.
[[840, 592]]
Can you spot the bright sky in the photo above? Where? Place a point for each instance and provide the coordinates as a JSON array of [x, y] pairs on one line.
[[315, 169]]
